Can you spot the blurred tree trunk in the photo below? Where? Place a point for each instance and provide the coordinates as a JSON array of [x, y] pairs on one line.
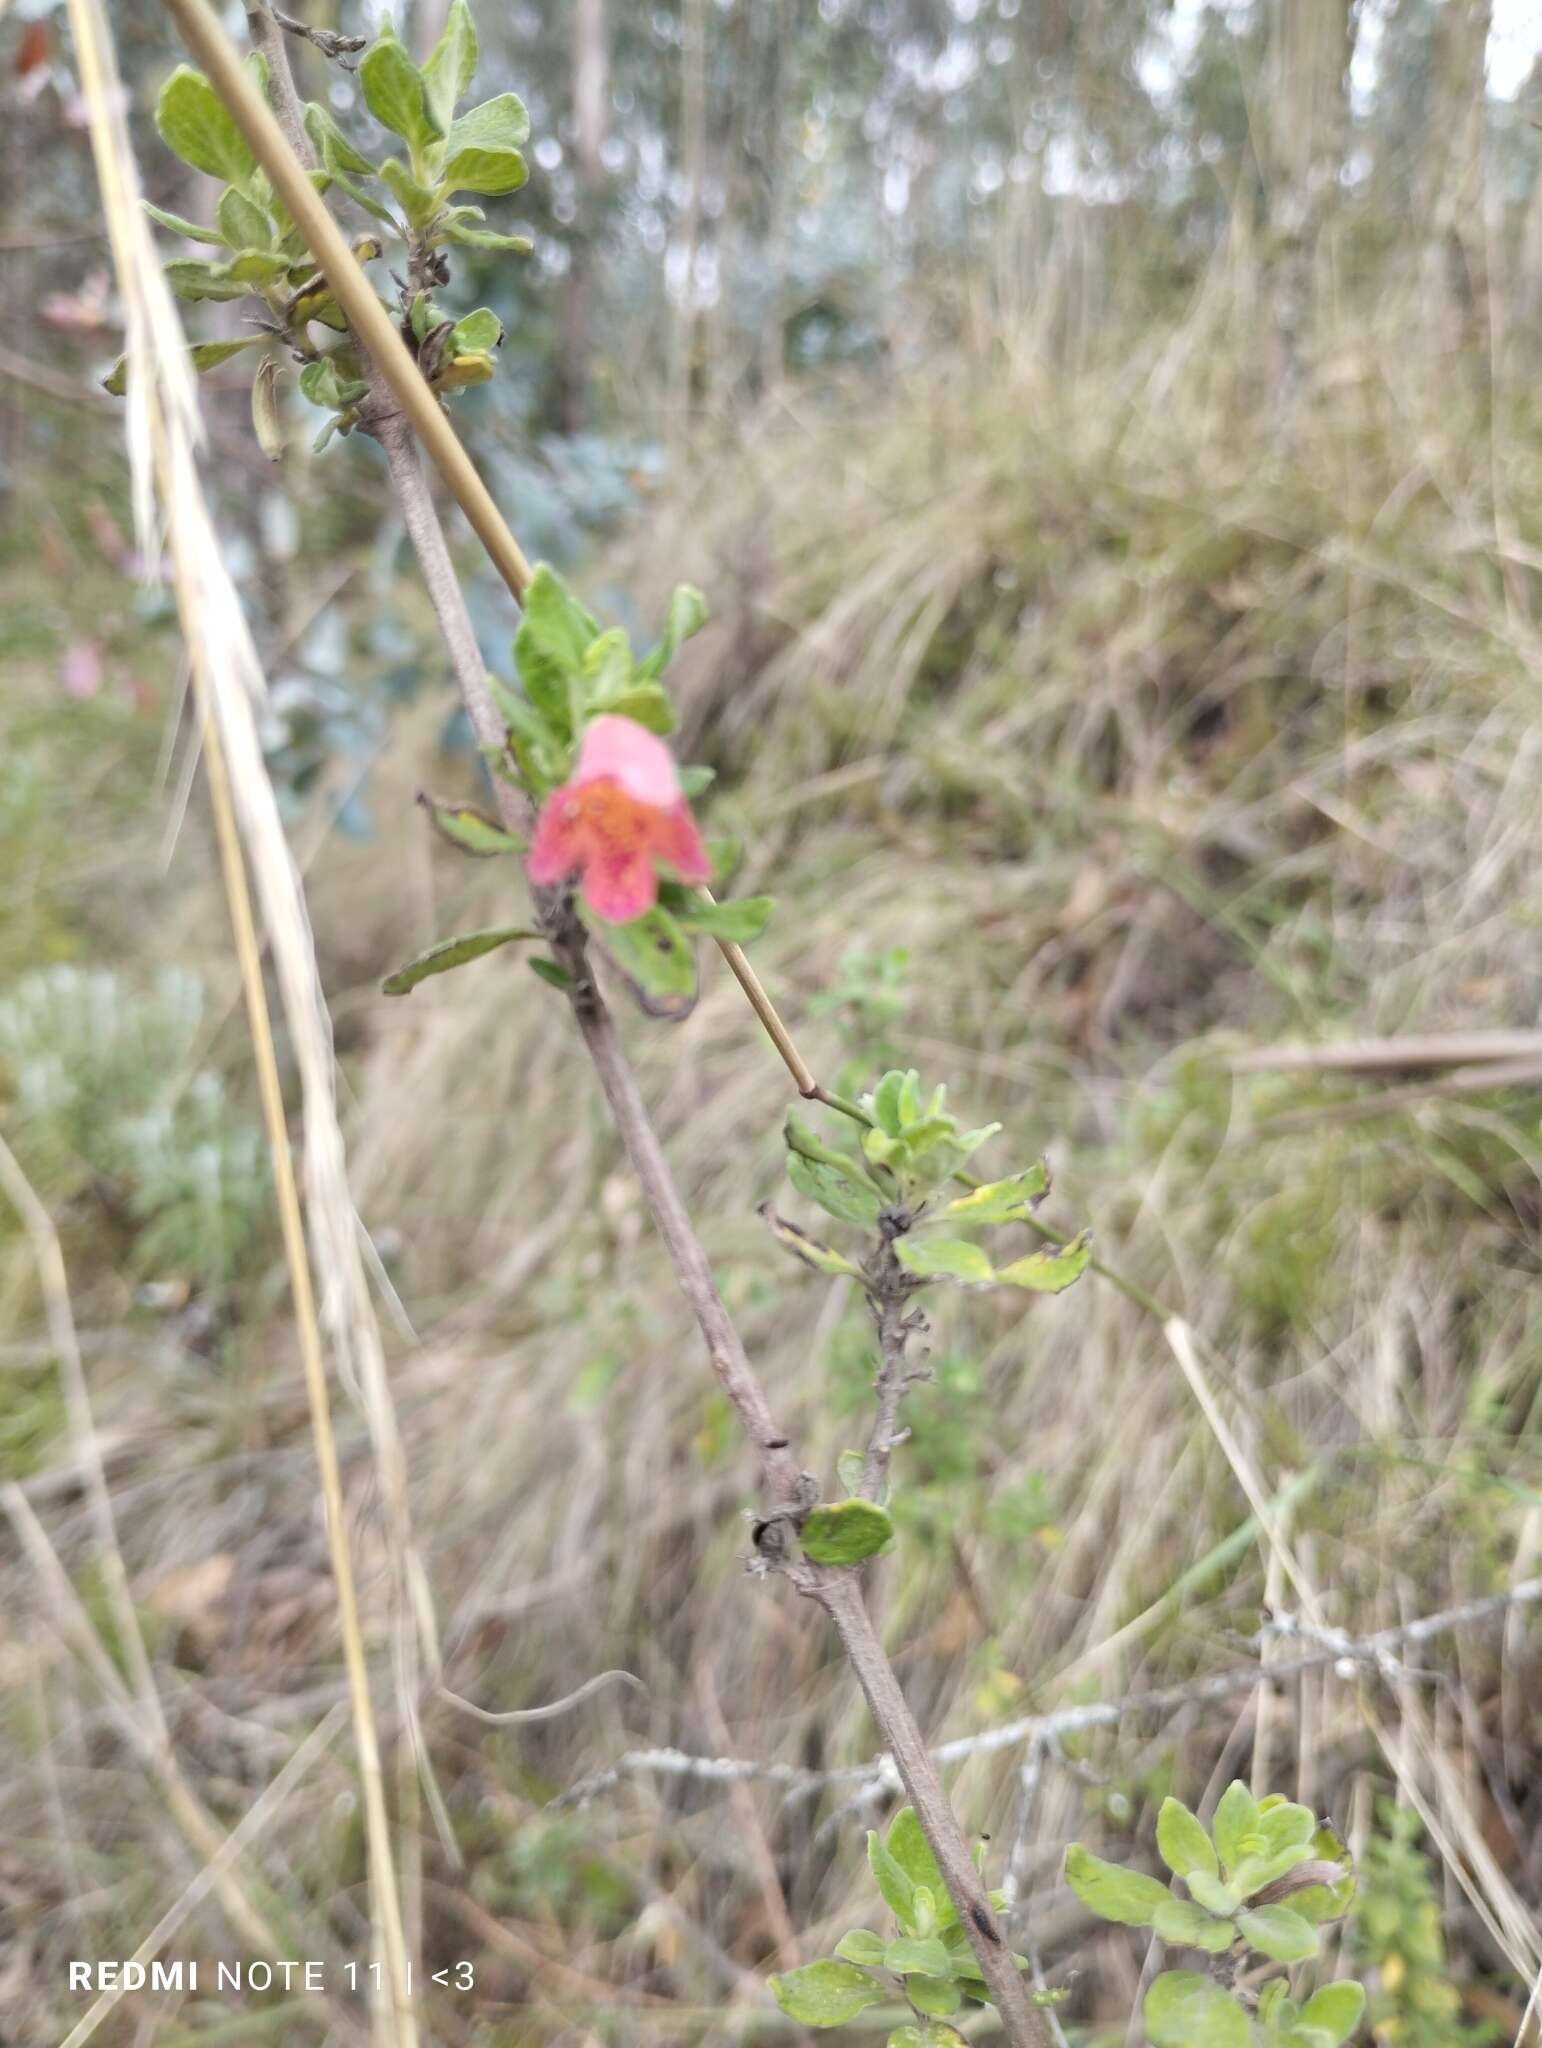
[[1303, 134], [693, 155], [590, 65], [1453, 183]]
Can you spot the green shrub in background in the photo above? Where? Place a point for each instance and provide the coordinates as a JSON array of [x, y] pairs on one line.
[[105, 1099], [1395, 1931]]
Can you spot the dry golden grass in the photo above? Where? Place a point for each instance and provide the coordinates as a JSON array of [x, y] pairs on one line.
[[1154, 727]]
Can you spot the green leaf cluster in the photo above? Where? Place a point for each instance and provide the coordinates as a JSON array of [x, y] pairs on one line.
[[264, 256], [479, 150], [926, 1961], [895, 1179], [1395, 1930], [1266, 1873]]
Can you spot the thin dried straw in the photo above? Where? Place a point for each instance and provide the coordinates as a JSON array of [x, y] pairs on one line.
[[163, 431]]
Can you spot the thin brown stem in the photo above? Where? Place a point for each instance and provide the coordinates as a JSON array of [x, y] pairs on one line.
[[837, 1590], [840, 1595], [888, 1293]]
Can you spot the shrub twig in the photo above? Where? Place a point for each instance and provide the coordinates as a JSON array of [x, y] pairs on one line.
[[836, 1589]]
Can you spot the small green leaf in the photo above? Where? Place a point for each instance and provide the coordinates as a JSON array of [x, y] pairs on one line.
[[481, 331], [655, 956], [330, 381], [549, 971], [493, 171], [451, 953], [1184, 2010], [1278, 1932], [850, 1467], [549, 648], [1190, 1926], [687, 615], [266, 424], [1113, 1893], [415, 200], [203, 355], [192, 121], [723, 858], [1214, 1896], [846, 1532], [909, 2036], [1284, 1825], [1003, 1201], [257, 266], [1052, 1270], [1336, 2009], [451, 65], [332, 145], [886, 1103], [395, 94], [497, 124], [188, 229], [1254, 1872], [485, 238], [934, 1994], [925, 1910], [741, 922], [1276, 2009], [648, 704], [825, 1994], [242, 222], [909, 1957], [1182, 1841], [208, 355], [847, 1196], [943, 1258], [1236, 1817], [809, 1249], [190, 279], [861, 1946], [468, 828], [891, 1878], [907, 1844]]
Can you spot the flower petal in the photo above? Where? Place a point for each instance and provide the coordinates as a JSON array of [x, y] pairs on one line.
[[557, 847], [623, 750], [678, 841], [619, 887]]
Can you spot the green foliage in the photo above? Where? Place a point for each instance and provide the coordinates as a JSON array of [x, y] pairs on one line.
[[449, 953], [927, 1963], [846, 1532], [105, 1096], [1395, 1931], [655, 956], [193, 123], [1250, 1849], [866, 1003], [478, 151], [469, 829], [894, 1180]]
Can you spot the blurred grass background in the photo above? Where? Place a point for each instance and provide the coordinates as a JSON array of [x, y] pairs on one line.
[[1124, 657]]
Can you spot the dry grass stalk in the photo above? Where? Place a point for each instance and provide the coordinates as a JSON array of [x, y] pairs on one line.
[[163, 436]]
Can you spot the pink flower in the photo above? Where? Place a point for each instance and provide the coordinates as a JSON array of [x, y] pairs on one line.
[[623, 812]]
